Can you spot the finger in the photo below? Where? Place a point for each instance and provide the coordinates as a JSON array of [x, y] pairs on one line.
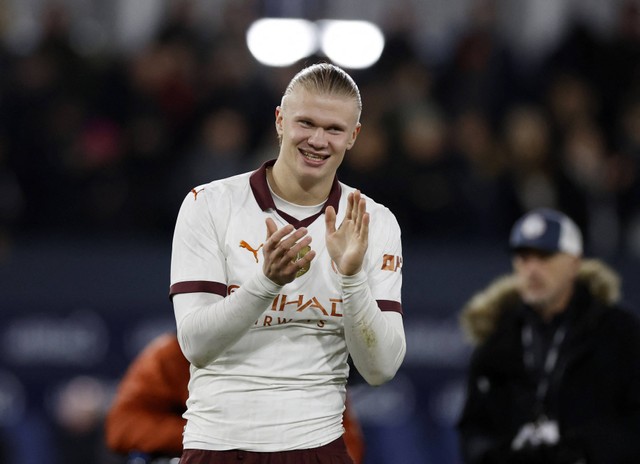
[[349, 211], [356, 196], [364, 230], [330, 219], [297, 251], [357, 216], [272, 250], [268, 243], [283, 252], [298, 259], [355, 208], [362, 210], [302, 256], [304, 263], [286, 250], [271, 227], [275, 235], [293, 238]]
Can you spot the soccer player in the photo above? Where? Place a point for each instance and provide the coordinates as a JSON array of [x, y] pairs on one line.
[[277, 277]]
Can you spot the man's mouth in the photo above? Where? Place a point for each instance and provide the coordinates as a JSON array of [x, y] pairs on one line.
[[313, 156]]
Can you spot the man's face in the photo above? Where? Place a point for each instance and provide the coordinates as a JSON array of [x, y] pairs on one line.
[[315, 132], [545, 280]]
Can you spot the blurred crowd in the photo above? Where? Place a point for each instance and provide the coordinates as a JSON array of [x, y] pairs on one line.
[[107, 142], [458, 148]]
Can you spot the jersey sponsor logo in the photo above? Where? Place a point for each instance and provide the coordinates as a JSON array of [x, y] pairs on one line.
[[391, 263], [298, 309], [254, 251], [270, 321], [195, 193], [301, 303]]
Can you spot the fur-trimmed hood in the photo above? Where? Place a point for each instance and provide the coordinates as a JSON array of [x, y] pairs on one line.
[[480, 314]]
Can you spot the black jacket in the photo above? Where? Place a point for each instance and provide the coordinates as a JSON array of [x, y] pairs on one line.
[[594, 391]]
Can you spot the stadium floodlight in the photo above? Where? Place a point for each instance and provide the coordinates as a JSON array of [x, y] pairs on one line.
[[282, 41], [351, 44]]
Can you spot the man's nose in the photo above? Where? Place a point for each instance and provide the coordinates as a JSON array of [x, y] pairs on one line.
[[533, 260], [532, 265], [318, 137]]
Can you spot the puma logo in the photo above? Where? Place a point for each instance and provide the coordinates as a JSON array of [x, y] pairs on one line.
[[245, 245], [196, 192]]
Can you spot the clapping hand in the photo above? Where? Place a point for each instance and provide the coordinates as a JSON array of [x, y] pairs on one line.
[[348, 243], [283, 259]]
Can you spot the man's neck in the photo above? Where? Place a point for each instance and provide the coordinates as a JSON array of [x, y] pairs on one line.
[[549, 311], [291, 189]]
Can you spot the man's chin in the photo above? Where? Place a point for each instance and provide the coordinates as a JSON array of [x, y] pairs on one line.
[[533, 299]]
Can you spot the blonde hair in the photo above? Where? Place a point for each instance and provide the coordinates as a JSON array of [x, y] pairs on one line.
[[325, 78]]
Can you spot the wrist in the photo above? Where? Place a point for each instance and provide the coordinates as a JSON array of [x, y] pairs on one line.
[[263, 285], [353, 280]]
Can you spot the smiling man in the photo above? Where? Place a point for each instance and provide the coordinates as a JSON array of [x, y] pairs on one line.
[[555, 374], [278, 276]]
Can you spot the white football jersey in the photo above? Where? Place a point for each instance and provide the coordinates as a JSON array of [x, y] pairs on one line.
[[282, 385]]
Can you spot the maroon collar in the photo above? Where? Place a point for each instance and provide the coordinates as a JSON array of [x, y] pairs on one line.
[[260, 189]]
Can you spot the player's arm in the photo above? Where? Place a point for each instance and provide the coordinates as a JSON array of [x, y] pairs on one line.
[[375, 338], [208, 322]]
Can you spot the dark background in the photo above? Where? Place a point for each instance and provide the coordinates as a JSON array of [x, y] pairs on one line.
[[469, 120]]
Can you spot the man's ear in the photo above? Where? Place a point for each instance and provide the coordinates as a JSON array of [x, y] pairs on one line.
[[279, 120], [354, 136]]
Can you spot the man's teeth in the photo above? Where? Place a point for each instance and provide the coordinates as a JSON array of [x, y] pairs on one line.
[[313, 157]]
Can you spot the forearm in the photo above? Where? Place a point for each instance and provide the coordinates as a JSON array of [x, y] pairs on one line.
[[208, 324], [375, 339]]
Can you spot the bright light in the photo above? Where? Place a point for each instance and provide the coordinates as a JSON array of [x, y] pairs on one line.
[[282, 42], [351, 44]]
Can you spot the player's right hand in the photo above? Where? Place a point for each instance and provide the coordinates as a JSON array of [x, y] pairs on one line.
[[281, 251]]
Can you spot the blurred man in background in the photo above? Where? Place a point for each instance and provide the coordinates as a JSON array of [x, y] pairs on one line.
[[555, 375]]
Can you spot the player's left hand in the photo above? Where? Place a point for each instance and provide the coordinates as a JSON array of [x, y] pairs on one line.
[[348, 244]]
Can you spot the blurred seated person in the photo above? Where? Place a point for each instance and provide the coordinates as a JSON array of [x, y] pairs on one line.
[[145, 420]]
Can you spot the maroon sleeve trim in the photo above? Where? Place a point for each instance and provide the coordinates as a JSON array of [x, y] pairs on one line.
[[388, 305], [195, 286]]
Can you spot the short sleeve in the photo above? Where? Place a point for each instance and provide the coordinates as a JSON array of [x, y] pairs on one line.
[[196, 254], [384, 266]]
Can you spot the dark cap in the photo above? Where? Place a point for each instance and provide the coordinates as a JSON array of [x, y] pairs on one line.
[[546, 230]]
